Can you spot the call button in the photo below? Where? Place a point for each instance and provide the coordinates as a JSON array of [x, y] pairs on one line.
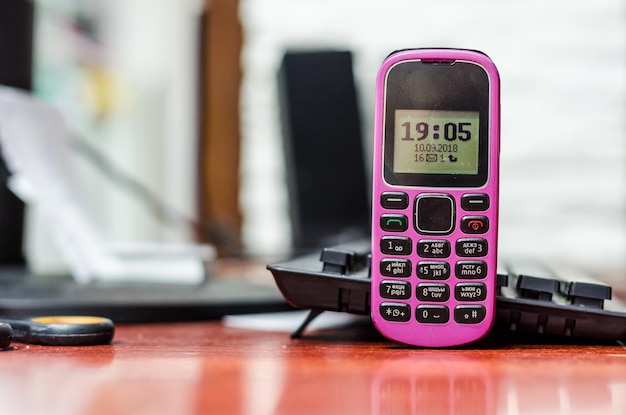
[[394, 223]]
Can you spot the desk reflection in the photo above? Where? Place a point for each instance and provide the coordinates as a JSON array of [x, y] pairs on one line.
[[430, 382], [433, 384]]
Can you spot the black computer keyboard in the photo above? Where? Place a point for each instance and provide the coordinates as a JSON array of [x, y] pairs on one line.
[[531, 298]]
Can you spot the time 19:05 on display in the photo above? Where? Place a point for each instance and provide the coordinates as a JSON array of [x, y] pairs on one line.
[[451, 131]]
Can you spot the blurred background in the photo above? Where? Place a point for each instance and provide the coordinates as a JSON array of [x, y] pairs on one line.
[[563, 78], [179, 101], [125, 75]]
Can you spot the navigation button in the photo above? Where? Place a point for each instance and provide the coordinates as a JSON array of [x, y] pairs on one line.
[[434, 214]]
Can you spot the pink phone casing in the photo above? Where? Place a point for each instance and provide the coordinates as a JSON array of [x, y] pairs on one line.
[[450, 333]]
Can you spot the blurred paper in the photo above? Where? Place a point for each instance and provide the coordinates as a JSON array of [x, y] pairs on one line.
[[36, 147], [289, 321]]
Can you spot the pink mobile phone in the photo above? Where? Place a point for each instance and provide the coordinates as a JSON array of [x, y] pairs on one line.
[[435, 197]]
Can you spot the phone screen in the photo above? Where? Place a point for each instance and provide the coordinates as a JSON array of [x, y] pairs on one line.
[[437, 124], [444, 142]]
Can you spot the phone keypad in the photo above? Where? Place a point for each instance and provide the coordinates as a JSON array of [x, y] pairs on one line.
[[433, 249], [399, 312], [469, 314], [467, 291], [473, 270], [434, 314], [473, 247], [395, 268], [446, 267], [396, 245], [433, 270], [433, 292], [395, 290]]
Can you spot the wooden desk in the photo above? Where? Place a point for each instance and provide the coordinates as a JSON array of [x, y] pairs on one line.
[[206, 368]]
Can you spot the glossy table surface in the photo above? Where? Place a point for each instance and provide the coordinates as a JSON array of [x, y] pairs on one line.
[[206, 367]]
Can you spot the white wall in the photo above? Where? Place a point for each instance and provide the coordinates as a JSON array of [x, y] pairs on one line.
[[563, 71]]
